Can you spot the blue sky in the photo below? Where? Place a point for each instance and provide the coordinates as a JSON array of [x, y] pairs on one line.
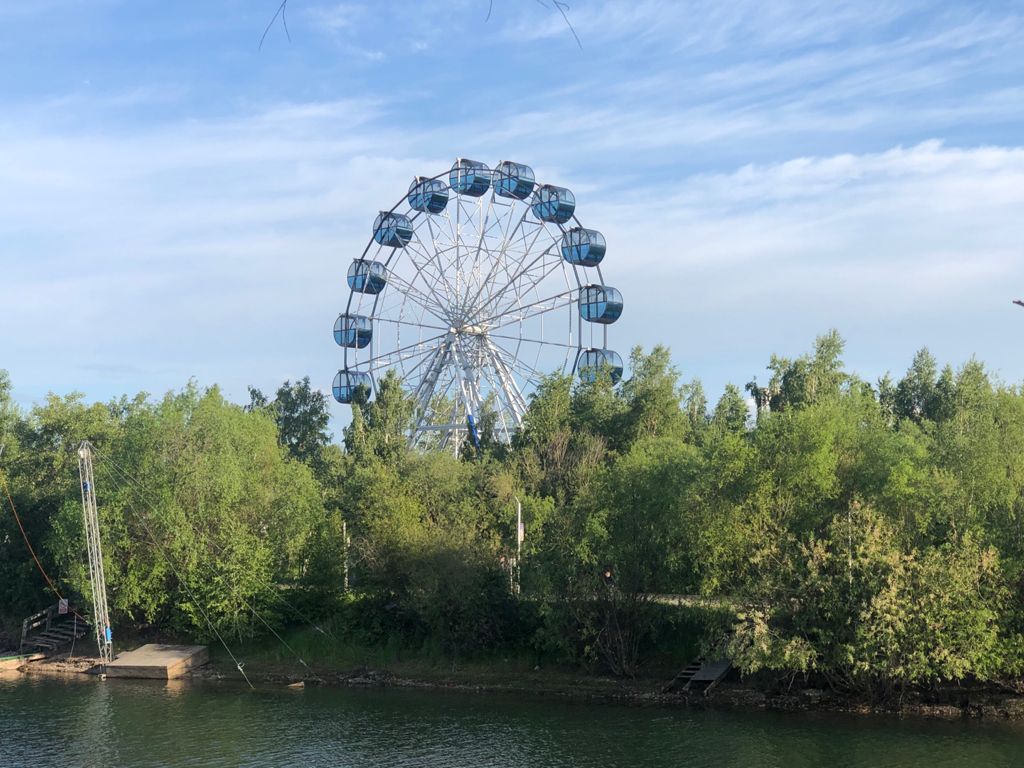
[[176, 203]]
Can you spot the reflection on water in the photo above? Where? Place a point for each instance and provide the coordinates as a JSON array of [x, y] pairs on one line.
[[85, 722]]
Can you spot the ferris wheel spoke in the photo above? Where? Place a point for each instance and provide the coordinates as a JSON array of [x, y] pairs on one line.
[[515, 360], [407, 291], [457, 239], [417, 246], [402, 312], [425, 302], [502, 257], [495, 296], [485, 216], [497, 257], [434, 240], [528, 340], [541, 307], [429, 279], [421, 347], [530, 282], [510, 237], [394, 358], [527, 371], [529, 278], [408, 323]]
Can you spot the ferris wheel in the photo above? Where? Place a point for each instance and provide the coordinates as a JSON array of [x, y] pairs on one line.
[[472, 287]]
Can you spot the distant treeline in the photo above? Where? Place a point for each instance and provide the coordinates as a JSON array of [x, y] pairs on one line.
[[866, 534]]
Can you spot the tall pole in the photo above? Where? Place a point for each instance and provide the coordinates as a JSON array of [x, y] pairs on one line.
[[345, 542], [97, 580], [520, 535]]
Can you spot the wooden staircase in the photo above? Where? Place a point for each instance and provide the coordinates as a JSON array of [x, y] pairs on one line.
[[680, 681], [699, 676], [50, 630]]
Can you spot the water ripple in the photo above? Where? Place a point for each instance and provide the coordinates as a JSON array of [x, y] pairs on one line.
[[46, 722]]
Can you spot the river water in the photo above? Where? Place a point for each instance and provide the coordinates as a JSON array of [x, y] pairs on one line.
[[76, 723]]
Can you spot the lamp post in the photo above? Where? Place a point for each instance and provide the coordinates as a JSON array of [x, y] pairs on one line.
[[520, 535]]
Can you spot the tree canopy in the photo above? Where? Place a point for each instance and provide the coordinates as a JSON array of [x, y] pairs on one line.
[[870, 534]]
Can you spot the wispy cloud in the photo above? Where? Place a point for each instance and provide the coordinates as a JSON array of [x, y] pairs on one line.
[[762, 171], [237, 233], [900, 248], [708, 25], [337, 17]]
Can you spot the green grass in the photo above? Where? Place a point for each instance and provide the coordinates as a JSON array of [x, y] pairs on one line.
[[328, 655], [511, 670]]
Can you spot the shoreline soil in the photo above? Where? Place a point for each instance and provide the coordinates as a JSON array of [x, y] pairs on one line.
[[953, 703]]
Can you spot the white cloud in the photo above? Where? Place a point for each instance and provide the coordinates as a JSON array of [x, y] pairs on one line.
[[337, 17], [913, 246], [217, 248], [708, 25], [137, 252]]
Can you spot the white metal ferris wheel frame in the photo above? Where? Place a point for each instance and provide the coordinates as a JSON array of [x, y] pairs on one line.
[[470, 277]]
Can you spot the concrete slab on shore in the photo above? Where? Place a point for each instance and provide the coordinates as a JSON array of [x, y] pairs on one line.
[[155, 660], [17, 661]]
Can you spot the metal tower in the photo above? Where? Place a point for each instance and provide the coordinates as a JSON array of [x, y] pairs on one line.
[[98, 582]]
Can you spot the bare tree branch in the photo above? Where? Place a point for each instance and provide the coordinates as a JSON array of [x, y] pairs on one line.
[[282, 11], [559, 5], [563, 8]]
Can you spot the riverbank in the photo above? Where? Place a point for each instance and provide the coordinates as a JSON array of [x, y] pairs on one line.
[[950, 703]]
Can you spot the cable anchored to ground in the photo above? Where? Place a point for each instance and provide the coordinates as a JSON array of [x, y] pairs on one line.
[[128, 478], [188, 590], [31, 549]]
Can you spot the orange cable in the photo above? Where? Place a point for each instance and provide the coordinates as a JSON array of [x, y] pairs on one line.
[[39, 565]]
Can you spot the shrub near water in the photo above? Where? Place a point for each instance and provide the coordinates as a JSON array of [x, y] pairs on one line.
[[870, 615], [868, 535]]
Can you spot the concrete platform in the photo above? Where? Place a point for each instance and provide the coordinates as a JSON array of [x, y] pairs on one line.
[[161, 662], [16, 662]]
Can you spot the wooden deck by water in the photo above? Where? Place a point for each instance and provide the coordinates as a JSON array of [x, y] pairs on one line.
[[155, 660]]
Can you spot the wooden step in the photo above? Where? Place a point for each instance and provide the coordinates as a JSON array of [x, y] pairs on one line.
[[683, 677], [711, 674], [42, 643], [66, 632], [57, 636]]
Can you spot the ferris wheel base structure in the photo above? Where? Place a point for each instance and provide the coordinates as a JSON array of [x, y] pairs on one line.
[[472, 287]]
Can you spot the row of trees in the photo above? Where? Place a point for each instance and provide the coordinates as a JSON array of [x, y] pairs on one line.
[[867, 534]]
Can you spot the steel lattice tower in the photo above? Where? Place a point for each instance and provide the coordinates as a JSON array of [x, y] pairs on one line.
[[97, 580]]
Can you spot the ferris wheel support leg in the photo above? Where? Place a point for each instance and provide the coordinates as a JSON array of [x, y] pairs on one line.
[[468, 384], [427, 386], [512, 396]]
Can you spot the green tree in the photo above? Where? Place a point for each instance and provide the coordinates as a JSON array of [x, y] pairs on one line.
[[871, 616], [302, 416], [652, 398], [731, 411]]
